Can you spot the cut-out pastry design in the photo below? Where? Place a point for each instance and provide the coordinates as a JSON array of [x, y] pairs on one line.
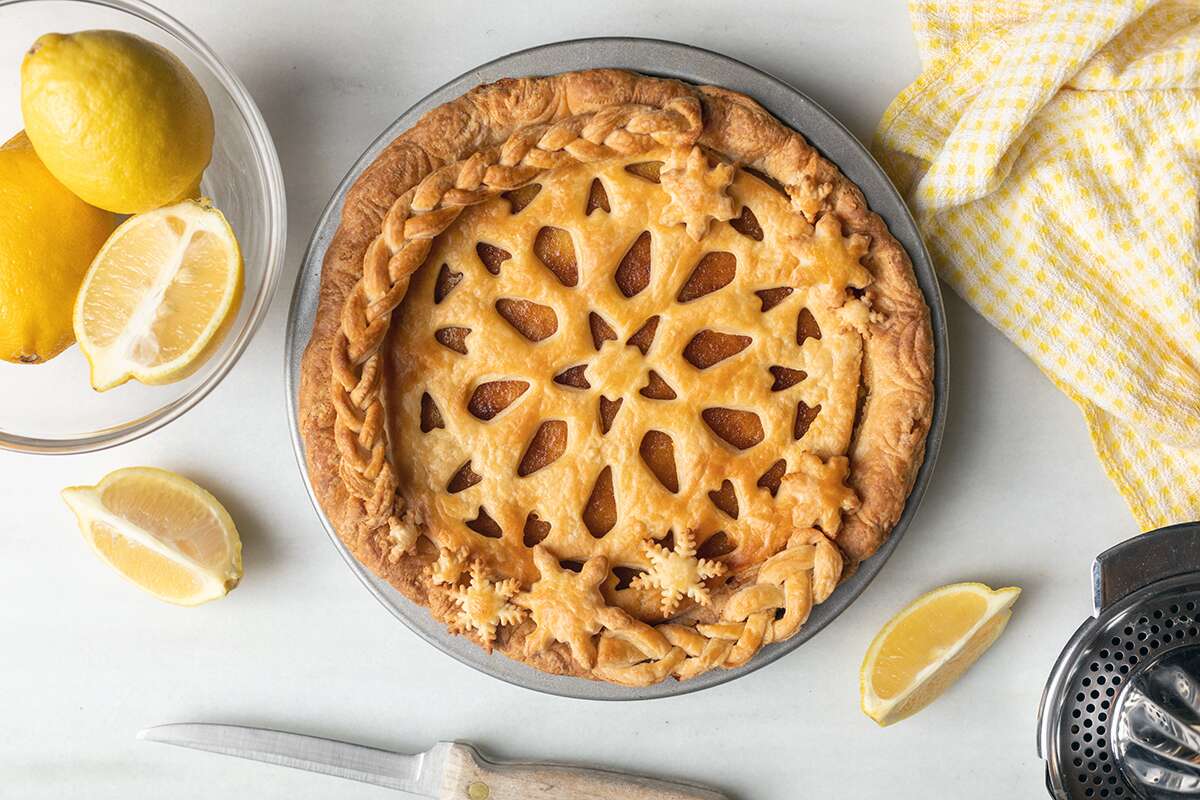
[[484, 605], [614, 374], [697, 190], [567, 607], [678, 573], [449, 567]]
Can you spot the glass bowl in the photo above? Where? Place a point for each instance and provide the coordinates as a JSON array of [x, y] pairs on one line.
[[51, 407]]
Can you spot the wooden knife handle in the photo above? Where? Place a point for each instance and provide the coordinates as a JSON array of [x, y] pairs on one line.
[[470, 776]]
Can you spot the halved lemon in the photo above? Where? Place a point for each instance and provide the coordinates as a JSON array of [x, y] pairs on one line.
[[161, 531], [928, 646], [159, 295]]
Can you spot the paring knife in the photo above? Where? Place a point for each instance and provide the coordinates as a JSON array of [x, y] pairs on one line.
[[446, 771]]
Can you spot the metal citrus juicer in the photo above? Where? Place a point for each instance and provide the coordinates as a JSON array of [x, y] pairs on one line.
[[1120, 715]]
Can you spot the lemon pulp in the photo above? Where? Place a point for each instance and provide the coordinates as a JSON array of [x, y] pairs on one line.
[[159, 295], [928, 645], [163, 532]]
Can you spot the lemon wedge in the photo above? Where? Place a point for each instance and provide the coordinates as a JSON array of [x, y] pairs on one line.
[[162, 532], [159, 295], [926, 647]]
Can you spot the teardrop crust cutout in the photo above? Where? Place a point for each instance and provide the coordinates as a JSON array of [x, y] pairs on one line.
[[786, 377], [712, 347], [806, 326], [597, 198], [773, 297], [747, 224], [725, 498], [490, 398], [491, 256], [646, 170], [713, 271], [742, 429], [643, 337], [658, 451], [519, 198], [447, 279], [484, 525], [633, 273], [431, 415], [536, 530], [549, 442], [804, 418], [554, 248], [717, 545], [600, 512], [463, 478], [575, 377], [601, 330], [453, 338], [533, 321], [773, 477], [656, 388], [608, 412]]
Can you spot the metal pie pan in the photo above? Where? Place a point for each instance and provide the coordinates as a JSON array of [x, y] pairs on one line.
[[672, 60]]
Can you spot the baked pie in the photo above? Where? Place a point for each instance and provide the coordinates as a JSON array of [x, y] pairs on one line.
[[615, 374]]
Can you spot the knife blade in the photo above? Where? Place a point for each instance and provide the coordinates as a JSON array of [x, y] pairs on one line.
[[446, 771], [408, 773]]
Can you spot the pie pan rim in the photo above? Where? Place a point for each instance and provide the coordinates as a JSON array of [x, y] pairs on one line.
[[693, 65]]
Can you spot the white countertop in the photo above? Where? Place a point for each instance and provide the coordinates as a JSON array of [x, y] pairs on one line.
[[86, 660]]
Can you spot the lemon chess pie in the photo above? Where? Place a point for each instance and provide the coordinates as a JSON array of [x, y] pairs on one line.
[[615, 374]]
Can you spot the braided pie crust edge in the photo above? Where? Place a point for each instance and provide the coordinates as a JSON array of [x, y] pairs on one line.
[[897, 368]]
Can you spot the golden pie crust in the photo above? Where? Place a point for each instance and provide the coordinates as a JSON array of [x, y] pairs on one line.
[[615, 374]]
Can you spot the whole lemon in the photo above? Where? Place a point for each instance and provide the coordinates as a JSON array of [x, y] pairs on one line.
[[120, 121], [48, 238]]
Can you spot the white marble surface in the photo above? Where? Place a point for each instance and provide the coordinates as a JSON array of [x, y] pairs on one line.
[[85, 660]]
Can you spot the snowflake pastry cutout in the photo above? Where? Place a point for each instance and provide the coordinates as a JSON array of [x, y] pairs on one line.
[[449, 565], [838, 258], [401, 539], [484, 605], [678, 573], [795, 231], [809, 196], [818, 493], [698, 193], [568, 607]]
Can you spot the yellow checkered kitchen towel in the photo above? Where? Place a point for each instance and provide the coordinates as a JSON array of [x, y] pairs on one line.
[[1050, 152]]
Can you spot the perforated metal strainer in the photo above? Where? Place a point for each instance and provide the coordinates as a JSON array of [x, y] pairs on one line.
[[1120, 715]]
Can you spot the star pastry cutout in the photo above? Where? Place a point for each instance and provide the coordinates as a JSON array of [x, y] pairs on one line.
[[484, 605], [809, 195], [698, 193], [834, 261], [818, 493], [795, 231], [566, 606], [402, 538], [678, 573], [449, 565]]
